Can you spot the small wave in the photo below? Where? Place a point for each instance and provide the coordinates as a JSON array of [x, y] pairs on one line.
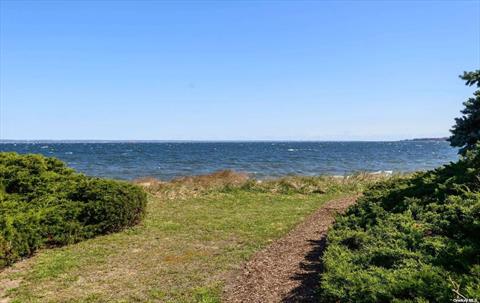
[[382, 172], [45, 146], [292, 149], [68, 153]]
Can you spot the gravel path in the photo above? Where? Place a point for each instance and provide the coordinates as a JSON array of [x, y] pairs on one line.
[[288, 269]]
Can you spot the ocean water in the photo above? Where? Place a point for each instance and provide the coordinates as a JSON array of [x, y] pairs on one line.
[[167, 160]]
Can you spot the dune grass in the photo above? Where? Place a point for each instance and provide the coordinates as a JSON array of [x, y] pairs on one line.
[[185, 248]]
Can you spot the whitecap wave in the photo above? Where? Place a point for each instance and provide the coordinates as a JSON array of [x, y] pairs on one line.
[[382, 172]]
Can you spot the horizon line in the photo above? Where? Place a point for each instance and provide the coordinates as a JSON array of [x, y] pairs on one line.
[[205, 141]]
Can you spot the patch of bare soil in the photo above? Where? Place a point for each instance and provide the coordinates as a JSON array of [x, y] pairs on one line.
[[288, 269], [7, 283]]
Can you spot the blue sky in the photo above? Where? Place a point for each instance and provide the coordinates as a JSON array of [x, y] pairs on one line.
[[286, 70]]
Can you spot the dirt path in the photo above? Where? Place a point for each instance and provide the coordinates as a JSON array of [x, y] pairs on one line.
[[287, 270]]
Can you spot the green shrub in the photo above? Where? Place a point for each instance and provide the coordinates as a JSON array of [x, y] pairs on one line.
[[45, 203], [414, 239]]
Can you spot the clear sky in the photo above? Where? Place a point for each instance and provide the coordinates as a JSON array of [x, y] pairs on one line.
[[233, 70]]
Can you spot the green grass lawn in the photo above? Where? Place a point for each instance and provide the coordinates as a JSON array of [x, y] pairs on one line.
[[182, 252]]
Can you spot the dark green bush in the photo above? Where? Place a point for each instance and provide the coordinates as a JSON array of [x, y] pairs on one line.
[[45, 203], [414, 239]]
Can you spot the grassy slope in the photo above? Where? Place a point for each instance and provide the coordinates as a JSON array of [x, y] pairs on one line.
[[182, 252]]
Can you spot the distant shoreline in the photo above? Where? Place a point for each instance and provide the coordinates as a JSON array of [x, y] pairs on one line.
[[427, 139], [14, 141]]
